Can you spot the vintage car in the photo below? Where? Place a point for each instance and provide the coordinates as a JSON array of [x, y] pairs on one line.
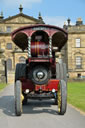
[[41, 76]]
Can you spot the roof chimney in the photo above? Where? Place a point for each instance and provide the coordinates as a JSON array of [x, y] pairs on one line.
[[79, 22], [68, 20], [65, 26], [1, 16]]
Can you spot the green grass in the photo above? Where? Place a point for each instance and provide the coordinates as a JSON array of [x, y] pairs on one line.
[[76, 94], [2, 85]]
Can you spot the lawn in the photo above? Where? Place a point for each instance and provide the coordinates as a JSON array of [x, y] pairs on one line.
[[76, 94], [2, 85]]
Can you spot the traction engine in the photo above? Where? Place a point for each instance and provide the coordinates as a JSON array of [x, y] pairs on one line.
[[41, 76]]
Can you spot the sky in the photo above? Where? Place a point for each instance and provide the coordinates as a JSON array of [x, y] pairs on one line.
[[54, 12]]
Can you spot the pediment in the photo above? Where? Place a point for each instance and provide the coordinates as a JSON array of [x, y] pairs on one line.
[[20, 19]]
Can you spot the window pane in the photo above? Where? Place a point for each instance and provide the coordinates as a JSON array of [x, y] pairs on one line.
[[78, 62], [8, 29], [9, 46], [77, 42]]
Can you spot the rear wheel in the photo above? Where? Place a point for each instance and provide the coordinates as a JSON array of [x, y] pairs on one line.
[[20, 71], [62, 97], [61, 71], [18, 98]]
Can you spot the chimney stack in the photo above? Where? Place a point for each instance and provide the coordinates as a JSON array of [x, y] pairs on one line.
[[1, 16], [79, 22], [68, 20]]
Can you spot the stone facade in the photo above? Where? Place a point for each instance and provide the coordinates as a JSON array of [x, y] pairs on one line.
[[75, 51], [9, 53]]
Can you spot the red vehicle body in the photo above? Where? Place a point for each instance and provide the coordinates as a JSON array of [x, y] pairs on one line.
[[41, 75]]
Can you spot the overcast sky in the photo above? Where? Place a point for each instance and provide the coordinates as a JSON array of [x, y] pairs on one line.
[[54, 12]]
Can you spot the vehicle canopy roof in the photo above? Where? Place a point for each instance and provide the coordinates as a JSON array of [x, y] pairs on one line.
[[20, 36]]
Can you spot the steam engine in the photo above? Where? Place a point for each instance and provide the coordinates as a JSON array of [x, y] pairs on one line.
[[41, 75]]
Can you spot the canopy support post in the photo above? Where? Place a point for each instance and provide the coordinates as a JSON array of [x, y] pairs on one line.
[[50, 46], [29, 46]]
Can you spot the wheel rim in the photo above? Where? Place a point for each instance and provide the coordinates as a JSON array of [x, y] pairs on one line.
[[59, 98]]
